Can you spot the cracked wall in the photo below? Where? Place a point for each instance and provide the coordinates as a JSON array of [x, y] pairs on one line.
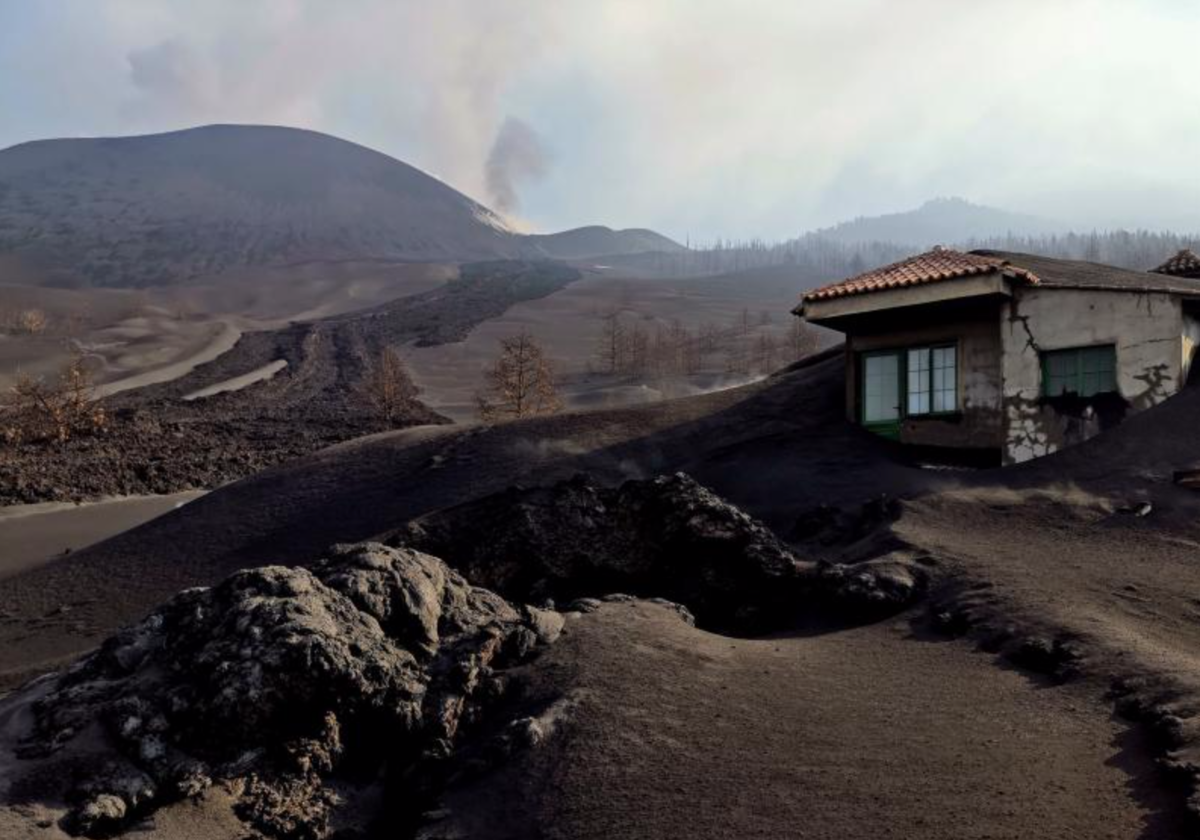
[[1148, 331]]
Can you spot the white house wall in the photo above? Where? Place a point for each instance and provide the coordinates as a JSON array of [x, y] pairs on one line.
[[1145, 327]]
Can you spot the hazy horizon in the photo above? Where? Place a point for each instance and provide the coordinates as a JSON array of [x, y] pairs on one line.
[[693, 119]]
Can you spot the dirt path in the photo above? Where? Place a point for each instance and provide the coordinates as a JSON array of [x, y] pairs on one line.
[[870, 732]]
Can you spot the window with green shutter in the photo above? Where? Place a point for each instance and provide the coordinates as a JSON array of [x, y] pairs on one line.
[[1080, 371]]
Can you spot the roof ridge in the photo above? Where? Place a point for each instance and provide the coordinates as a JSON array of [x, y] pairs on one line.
[[935, 265]]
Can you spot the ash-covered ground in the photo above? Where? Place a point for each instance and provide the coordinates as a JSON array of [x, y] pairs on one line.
[[160, 441], [802, 635]]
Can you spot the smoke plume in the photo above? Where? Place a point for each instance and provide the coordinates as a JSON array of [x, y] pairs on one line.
[[517, 156]]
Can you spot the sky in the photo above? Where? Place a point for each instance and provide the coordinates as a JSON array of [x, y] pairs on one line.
[[698, 118]]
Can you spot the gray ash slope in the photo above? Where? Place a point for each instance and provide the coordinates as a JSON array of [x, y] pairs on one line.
[[162, 208], [161, 443], [749, 444], [135, 211], [300, 692]]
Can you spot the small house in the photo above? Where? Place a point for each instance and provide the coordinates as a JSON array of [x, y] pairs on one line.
[[1005, 357]]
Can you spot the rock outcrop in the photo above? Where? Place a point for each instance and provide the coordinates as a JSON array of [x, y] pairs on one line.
[[668, 537], [291, 688]]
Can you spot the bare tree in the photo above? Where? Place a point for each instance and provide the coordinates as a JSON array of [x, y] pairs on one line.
[[661, 352], [612, 345], [709, 339], [520, 383], [687, 349], [637, 350], [743, 323], [766, 353], [736, 359], [387, 386], [803, 339], [677, 341], [38, 411], [30, 321]]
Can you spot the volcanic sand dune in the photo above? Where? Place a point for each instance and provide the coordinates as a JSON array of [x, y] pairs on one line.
[[859, 732], [669, 731], [32, 535], [70, 313], [159, 351]]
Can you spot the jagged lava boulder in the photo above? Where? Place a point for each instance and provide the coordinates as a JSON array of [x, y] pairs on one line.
[[667, 537], [276, 681]]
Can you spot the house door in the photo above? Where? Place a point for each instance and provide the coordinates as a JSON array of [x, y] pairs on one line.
[[881, 393]]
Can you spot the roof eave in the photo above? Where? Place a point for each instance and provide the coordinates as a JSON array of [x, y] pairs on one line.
[[1101, 287], [835, 307]]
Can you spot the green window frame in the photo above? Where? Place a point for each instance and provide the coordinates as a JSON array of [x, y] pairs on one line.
[[1079, 371], [882, 387], [931, 384]]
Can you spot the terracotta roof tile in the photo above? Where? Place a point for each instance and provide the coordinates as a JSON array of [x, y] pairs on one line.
[[930, 267], [1183, 264]]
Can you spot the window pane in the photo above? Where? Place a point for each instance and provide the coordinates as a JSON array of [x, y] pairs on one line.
[[1056, 386], [918, 380], [1095, 359], [945, 384], [881, 388], [1062, 363], [1085, 371], [1099, 370]]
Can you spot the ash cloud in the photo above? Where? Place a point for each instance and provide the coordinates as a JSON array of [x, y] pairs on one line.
[[683, 131], [518, 156], [171, 76]]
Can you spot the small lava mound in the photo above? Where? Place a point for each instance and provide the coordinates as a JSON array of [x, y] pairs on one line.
[[297, 691]]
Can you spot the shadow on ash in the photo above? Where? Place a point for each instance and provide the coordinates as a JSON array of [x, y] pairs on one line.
[[337, 701]]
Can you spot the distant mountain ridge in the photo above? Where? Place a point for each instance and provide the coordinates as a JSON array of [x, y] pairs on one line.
[[940, 221], [598, 241], [161, 208]]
